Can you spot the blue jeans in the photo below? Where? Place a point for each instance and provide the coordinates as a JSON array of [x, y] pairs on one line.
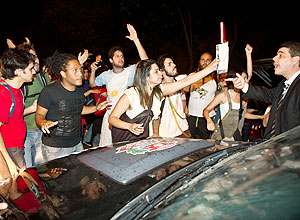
[[32, 148], [17, 155], [50, 153]]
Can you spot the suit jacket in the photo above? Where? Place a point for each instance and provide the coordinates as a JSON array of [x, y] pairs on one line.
[[288, 114]]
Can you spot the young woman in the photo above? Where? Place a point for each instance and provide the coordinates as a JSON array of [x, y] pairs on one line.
[[146, 93], [233, 112]]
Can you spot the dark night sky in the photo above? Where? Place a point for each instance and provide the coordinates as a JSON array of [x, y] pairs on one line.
[[158, 24]]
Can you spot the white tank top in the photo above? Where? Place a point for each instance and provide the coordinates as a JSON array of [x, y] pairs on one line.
[[225, 107]]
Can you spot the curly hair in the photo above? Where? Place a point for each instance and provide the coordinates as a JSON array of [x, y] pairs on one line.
[[58, 62]]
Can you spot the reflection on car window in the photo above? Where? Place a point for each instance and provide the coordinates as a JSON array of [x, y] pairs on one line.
[[261, 183]]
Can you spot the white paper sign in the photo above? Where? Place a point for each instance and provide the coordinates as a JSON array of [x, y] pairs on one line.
[[222, 54]]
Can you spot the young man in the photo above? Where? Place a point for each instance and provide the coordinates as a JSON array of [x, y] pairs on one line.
[[60, 106], [173, 121], [116, 80], [31, 91], [201, 94], [17, 68], [285, 99]]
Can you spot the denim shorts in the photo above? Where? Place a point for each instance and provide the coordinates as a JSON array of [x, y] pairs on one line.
[[17, 155], [51, 153]]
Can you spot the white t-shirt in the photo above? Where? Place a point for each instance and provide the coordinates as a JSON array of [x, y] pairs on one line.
[[168, 126], [201, 97], [116, 83], [136, 107]]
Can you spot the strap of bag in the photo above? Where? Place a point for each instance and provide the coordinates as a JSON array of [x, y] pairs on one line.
[[13, 104], [151, 100]]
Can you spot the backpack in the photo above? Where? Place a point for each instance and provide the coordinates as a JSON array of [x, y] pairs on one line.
[[13, 104]]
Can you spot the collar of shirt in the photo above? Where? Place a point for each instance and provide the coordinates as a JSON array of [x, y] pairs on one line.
[[291, 80]]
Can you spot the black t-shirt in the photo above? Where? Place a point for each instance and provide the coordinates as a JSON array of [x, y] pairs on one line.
[[65, 107]]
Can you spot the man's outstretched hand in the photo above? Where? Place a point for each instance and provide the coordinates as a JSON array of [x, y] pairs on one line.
[[238, 82], [132, 32]]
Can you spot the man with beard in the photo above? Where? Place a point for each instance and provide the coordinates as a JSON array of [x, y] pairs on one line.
[[173, 121], [201, 94], [116, 80]]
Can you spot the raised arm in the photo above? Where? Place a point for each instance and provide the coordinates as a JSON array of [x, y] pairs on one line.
[[248, 51], [133, 36], [171, 87]]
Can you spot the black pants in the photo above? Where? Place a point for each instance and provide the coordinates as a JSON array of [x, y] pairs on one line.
[[198, 128]]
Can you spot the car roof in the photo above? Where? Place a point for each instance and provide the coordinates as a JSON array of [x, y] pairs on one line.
[[127, 162]]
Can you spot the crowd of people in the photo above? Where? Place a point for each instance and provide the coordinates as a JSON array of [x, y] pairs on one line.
[[48, 112]]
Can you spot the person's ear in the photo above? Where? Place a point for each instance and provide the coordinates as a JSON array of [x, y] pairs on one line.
[[18, 72], [110, 60], [296, 60], [10, 43], [63, 74]]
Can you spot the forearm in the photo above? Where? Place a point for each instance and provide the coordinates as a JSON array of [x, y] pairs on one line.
[[92, 79], [206, 115], [253, 116], [4, 152], [39, 119], [249, 66], [261, 93], [118, 123], [155, 125], [29, 110], [169, 88], [142, 53], [88, 110]]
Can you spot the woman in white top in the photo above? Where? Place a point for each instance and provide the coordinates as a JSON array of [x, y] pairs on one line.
[[137, 98], [233, 112]]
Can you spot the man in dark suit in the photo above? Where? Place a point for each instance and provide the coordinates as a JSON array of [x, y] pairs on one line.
[[285, 98]]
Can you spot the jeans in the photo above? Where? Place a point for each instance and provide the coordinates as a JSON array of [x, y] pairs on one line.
[[50, 153], [17, 155], [32, 148]]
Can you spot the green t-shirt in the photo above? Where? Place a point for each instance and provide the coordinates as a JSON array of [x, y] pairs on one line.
[[33, 91]]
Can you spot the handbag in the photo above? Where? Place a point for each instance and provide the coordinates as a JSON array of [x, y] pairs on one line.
[[144, 117]]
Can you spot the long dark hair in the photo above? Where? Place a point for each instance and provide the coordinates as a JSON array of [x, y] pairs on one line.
[[142, 71]]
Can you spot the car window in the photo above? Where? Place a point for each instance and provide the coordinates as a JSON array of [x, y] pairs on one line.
[[260, 183]]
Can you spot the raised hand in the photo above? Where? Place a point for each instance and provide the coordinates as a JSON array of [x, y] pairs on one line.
[[82, 57], [213, 66], [132, 32], [248, 49]]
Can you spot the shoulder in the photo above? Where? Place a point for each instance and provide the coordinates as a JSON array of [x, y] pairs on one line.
[[131, 91], [131, 69]]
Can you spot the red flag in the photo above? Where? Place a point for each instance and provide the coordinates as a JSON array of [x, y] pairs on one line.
[[222, 33]]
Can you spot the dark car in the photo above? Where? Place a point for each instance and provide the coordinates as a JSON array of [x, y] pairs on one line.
[[175, 179]]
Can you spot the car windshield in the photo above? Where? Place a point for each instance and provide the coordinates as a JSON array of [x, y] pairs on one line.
[[260, 183]]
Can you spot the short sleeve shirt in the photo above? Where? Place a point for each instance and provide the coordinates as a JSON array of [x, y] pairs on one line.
[[13, 130], [116, 83], [65, 107]]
